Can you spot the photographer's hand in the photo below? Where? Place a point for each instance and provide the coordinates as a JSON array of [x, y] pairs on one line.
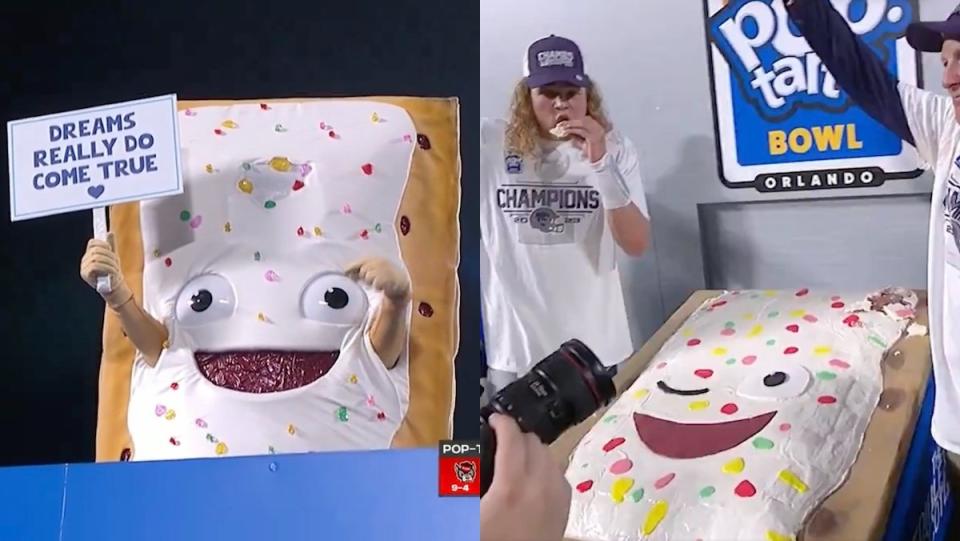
[[529, 498]]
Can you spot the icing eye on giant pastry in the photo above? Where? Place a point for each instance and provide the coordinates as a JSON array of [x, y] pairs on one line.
[[776, 383]]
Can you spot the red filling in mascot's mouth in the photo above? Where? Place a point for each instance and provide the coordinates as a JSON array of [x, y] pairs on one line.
[[264, 371], [695, 440]]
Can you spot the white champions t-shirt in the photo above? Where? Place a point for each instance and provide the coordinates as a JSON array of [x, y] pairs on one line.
[[547, 257], [937, 137]]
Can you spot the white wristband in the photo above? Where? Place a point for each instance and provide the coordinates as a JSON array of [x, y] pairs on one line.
[[609, 182]]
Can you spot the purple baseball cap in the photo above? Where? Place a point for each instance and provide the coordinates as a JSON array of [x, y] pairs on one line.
[[554, 59], [929, 36]]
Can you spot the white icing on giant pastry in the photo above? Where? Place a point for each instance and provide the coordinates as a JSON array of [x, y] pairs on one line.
[[743, 423]]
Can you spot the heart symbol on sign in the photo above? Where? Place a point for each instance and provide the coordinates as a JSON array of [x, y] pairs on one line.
[[96, 191]]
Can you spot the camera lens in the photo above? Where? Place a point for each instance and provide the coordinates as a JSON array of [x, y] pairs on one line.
[[560, 391]]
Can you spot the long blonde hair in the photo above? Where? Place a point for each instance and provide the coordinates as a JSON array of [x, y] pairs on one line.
[[523, 129]]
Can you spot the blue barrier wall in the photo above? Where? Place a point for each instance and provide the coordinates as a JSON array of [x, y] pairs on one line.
[[378, 495]]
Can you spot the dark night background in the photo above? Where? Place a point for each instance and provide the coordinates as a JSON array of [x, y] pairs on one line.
[[59, 56]]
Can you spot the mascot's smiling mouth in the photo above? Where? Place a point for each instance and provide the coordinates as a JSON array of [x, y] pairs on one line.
[[695, 440], [264, 371]]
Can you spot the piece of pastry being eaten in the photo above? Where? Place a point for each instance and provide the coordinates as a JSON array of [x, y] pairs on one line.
[[559, 130]]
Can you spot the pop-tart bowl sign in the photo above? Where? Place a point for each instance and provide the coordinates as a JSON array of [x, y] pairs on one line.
[[782, 122]]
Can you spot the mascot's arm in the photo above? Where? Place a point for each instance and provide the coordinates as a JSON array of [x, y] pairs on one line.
[[148, 335], [388, 332]]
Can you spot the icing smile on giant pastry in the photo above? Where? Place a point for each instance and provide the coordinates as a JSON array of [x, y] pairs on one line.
[[694, 440], [674, 439]]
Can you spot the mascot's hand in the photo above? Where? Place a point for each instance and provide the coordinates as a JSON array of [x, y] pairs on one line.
[[388, 330], [101, 259], [382, 275]]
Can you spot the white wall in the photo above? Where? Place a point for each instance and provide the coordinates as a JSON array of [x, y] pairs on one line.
[[661, 100]]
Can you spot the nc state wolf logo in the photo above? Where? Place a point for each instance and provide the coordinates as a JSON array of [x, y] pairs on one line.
[[466, 471]]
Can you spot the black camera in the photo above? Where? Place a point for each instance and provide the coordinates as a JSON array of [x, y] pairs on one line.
[[560, 391]]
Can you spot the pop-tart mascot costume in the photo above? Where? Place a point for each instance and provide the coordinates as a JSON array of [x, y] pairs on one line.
[[277, 305]]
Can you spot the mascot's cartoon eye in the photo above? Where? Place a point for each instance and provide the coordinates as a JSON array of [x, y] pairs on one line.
[[201, 300], [333, 298], [205, 298], [785, 382], [336, 298]]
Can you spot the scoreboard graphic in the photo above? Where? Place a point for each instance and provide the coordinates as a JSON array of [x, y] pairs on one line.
[[459, 468]]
